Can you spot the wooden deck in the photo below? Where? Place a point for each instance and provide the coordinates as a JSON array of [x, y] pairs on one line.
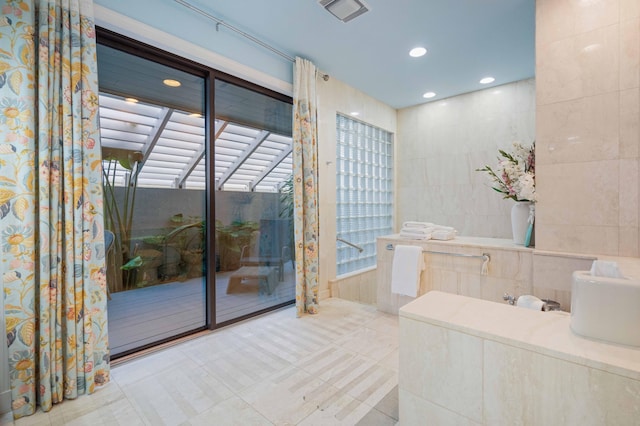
[[147, 315]]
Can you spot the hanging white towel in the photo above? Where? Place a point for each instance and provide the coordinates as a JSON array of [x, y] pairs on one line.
[[407, 267]]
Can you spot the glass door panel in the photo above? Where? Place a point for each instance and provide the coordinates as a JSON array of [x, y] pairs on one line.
[[253, 202], [153, 138]]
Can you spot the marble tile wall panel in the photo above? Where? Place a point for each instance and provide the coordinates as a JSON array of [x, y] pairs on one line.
[[582, 214], [443, 142], [584, 129], [523, 387], [629, 122], [441, 366], [444, 280], [557, 20], [416, 411], [629, 51], [588, 110], [552, 276], [554, 271], [358, 287]]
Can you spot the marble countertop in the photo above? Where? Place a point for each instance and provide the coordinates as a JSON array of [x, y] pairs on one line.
[[477, 242], [547, 333]]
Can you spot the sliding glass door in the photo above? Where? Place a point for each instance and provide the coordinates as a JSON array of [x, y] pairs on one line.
[[198, 195], [152, 119], [253, 199]]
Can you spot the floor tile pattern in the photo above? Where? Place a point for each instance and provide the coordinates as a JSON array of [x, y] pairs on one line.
[[339, 367]]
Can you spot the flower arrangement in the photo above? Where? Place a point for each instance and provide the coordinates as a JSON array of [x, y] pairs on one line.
[[514, 177]]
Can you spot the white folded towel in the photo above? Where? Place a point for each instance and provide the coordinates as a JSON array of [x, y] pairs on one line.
[[423, 231], [410, 224], [443, 235], [407, 267], [414, 235]]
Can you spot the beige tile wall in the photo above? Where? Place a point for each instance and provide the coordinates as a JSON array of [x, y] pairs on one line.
[[336, 97], [442, 143], [588, 126], [552, 275], [524, 387], [358, 287]]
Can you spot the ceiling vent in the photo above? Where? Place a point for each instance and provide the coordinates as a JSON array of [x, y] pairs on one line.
[[345, 10]]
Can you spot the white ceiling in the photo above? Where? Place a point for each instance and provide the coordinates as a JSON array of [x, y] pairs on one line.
[[466, 39]]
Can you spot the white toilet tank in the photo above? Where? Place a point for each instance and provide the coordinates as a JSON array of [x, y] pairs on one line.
[[606, 308]]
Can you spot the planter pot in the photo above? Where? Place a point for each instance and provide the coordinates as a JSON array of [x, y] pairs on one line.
[[519, 221]]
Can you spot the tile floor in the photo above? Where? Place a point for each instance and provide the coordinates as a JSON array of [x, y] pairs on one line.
[[339, 367]]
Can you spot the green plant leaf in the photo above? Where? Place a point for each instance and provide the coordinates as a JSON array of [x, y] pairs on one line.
[[134, 263]]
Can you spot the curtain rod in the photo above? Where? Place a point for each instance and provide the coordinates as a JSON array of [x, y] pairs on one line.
[[261, 43]]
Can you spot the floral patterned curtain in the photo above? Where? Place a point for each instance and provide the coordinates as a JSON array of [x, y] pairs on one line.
[[51, 222], [305, 185]]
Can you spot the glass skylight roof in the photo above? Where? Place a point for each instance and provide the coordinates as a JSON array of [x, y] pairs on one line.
[[171, 143]]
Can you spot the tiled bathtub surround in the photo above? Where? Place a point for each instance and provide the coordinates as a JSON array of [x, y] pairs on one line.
[[513, 269], [469, 361]]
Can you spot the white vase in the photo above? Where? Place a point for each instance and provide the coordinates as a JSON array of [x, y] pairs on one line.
[[519, 221]]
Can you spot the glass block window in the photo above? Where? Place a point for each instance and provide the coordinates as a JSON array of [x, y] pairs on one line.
[[364, 191]]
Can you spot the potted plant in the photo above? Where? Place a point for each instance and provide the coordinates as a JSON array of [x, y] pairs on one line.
[[514, 178], [122, 260]]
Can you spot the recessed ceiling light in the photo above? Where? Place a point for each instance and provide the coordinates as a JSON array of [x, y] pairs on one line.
[[131, 100], [487, 80], [355, 113], [195, 114], [171, 83], [416, 52], [429, 95]]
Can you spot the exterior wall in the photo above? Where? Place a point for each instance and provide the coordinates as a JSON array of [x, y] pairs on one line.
[[588, 126], [155, 206]]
